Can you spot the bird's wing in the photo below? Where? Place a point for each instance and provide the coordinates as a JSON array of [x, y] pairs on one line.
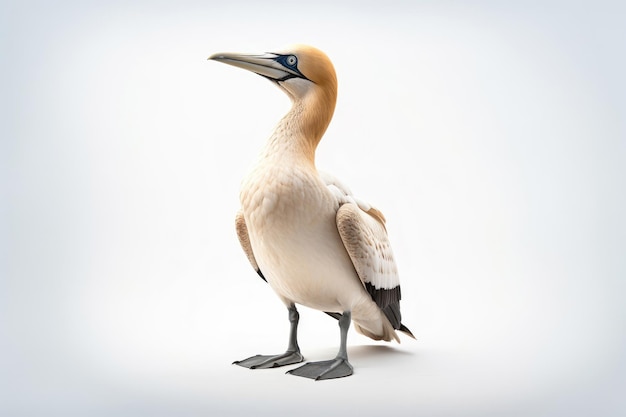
[[362, 230], [343, 195], [244, 240]]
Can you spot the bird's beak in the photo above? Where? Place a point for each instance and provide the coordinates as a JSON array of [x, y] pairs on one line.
[[266, 65]]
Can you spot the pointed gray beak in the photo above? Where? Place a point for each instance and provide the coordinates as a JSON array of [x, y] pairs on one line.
[[267, 65]]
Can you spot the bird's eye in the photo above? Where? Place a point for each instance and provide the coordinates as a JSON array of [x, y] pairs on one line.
[[292, 60]]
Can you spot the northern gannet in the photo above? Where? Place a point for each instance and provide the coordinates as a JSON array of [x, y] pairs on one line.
[[302, 230]]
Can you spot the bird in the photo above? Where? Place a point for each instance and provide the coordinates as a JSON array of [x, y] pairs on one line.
[[302, 230]]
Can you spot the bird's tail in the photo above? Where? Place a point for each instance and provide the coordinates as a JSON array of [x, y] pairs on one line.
[[388, 330]]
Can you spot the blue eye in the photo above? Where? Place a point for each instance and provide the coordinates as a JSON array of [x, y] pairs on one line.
[[291, 60]]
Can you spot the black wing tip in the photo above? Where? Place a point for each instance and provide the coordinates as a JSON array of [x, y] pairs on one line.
[[406, 331], [384, 296], [336, 316], [258, 271]]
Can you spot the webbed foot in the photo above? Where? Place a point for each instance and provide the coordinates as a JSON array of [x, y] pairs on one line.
[[336, 368], [271, 361]]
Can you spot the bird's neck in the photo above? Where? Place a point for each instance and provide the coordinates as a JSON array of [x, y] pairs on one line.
[[299, 132]]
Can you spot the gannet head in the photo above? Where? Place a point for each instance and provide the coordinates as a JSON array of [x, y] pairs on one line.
[[297, 70]]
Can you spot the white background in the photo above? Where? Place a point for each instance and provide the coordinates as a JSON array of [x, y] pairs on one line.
[[491, 135]]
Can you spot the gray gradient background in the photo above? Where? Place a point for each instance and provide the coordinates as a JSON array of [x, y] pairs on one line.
[[491, 134]]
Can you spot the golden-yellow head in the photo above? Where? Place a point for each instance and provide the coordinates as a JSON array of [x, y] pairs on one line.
[[297, 70]]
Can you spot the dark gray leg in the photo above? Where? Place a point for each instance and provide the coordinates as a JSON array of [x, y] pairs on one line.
[[336, 368], [291, 356]]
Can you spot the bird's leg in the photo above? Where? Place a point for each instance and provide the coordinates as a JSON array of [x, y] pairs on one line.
[[336, 368], [291, 356]]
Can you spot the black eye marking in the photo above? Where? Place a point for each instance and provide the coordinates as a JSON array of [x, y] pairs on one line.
[[289, 61]]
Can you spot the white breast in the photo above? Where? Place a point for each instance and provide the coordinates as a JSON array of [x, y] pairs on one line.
[[290, 215]]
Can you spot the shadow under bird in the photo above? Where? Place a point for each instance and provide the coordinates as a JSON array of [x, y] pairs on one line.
[[302, 230]]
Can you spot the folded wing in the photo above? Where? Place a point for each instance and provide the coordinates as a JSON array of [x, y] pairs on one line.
[[362, 230], [244, 240]]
